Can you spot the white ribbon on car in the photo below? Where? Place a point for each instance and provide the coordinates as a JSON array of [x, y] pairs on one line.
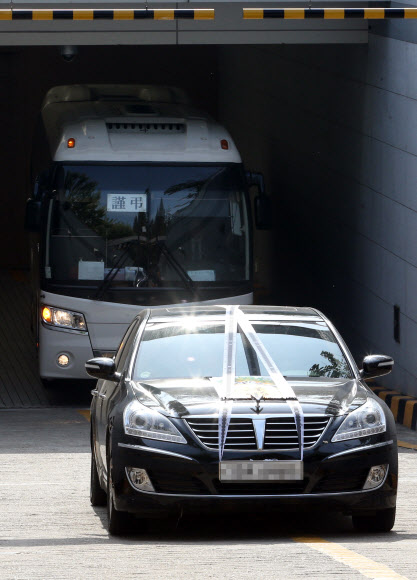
[[235, 317], [229, 365]]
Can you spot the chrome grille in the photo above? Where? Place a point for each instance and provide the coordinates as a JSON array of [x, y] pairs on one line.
[[280, 432], [240, 434]]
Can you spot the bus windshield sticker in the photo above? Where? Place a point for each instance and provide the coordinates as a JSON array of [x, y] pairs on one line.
[[90, 270], [202, 275], [126, 202]]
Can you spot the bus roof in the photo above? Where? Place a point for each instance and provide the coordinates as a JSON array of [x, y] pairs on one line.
[[91, 93], [142, 123]]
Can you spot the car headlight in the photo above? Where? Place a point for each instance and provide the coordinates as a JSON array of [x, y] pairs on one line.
[[368, 419], [64, 319], [140, 421]]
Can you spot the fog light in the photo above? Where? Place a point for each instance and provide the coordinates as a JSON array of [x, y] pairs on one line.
[[63, 360], [139, 479], [376, 476]]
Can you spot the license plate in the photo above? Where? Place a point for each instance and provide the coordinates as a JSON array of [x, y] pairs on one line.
[[261, 470]]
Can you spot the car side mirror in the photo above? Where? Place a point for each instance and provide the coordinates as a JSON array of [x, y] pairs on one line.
[[376, 365], [33, 215], [102, 368]]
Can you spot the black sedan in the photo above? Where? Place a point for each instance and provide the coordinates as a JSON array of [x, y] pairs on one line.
[[236, 408]]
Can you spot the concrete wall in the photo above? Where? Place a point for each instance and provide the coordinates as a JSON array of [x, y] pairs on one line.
[[334, 130]]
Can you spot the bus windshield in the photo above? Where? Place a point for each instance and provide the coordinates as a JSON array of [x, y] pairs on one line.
[[142, 226]]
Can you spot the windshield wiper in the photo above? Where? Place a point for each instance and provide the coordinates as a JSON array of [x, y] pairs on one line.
[[185, 278], [110, 276], [187, 281]]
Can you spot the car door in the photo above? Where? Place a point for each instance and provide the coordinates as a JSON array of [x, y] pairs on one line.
[[108, 389]]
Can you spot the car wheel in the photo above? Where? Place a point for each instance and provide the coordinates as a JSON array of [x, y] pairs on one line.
[[98, 496], [118, 522], [381, 521]]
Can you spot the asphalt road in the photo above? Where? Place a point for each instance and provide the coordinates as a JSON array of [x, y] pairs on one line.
[[49, 530]]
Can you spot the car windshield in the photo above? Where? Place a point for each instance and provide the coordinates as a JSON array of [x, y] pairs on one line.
[[194, 349], [148, 226]]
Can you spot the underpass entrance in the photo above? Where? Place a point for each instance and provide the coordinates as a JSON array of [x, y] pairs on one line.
[[326, 117]]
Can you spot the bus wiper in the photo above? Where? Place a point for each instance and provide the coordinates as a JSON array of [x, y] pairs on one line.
[[112, 273], [187, 281]]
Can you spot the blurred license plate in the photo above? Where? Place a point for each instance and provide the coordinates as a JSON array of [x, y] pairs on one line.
[[261, 470]]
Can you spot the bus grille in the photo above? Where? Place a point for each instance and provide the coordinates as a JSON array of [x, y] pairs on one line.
[[165, 128]]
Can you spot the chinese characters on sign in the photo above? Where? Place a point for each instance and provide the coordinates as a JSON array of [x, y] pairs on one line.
[[126, 202]]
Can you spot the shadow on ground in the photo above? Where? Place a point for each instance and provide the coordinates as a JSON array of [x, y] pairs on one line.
[[69, 393], [222, 530]]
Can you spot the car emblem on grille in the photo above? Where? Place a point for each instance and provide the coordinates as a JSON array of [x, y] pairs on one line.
[[258, 409]]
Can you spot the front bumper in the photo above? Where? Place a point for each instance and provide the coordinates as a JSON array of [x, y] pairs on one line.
[[54, 342], [190, 482]]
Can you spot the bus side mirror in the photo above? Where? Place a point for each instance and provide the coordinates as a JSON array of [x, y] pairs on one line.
[[257, 180], [263, 216], [33, 215]]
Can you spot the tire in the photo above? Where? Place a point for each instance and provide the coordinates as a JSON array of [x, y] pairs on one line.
[[118, 522], [98, 496], [380, 522]]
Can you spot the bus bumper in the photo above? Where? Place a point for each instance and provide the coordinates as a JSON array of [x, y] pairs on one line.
[[54, 343]]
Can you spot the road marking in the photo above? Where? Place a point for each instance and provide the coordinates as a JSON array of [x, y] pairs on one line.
[[363, 565], [85, 413], [406, 445]]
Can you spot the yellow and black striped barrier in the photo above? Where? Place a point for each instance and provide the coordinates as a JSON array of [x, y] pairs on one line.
[[403, 407], [328, 13], [107, 14]]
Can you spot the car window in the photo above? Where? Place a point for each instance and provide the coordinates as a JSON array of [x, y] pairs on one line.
[[125, 345], [196, 350]]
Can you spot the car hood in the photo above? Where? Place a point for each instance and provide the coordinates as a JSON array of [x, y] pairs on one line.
[[182, 397]]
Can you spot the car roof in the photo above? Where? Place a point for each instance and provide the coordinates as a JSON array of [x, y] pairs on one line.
[[252, 311]]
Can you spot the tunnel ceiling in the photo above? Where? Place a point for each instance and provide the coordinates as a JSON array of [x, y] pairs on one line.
[[227, 27]]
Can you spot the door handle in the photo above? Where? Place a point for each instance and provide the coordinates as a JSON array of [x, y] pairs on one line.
[[101, 396], [94, 392]]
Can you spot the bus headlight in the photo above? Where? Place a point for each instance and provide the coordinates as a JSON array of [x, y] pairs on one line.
[[63, 319]]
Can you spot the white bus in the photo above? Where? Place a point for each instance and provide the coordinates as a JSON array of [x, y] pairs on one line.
[[140, 200]]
